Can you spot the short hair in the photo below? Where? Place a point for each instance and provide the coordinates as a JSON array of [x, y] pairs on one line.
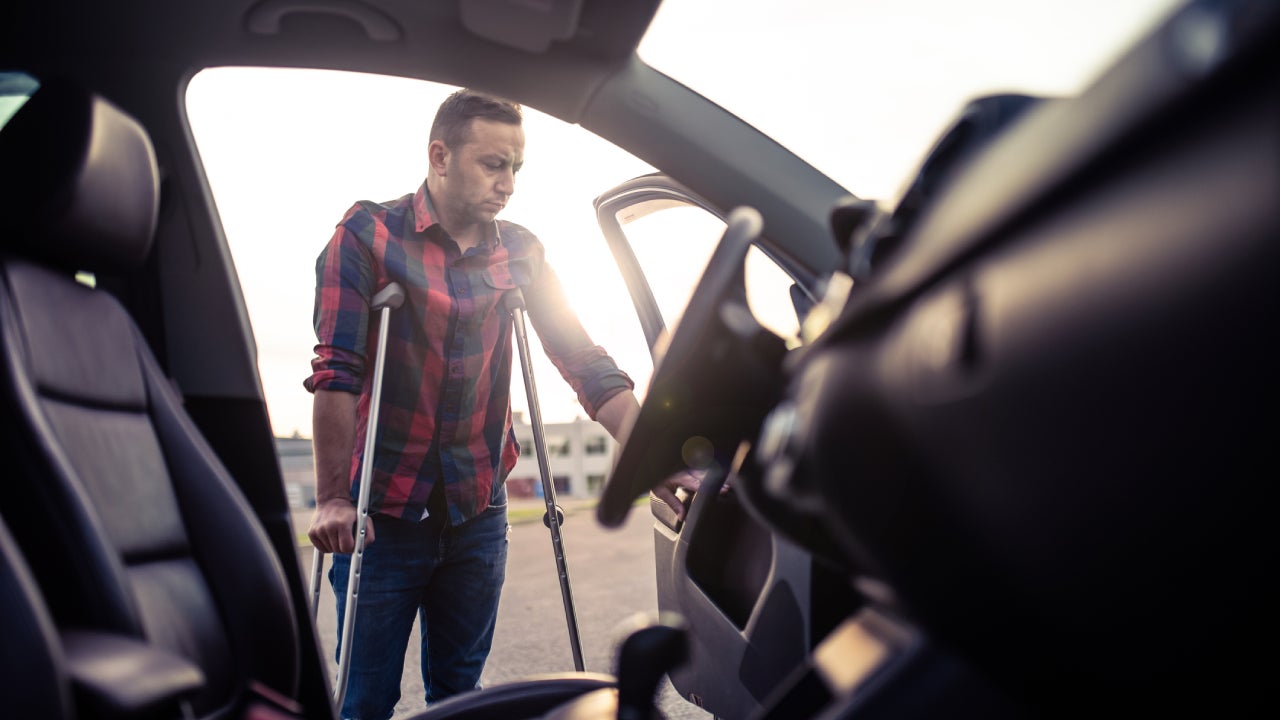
[[453, 118]]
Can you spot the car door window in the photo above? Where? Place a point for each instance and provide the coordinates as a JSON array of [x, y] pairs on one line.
[[672, 246]]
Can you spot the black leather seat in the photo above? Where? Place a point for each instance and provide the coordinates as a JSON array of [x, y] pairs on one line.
[[132, 527]]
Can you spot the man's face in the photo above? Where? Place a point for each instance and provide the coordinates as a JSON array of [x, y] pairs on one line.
[[481, 174]]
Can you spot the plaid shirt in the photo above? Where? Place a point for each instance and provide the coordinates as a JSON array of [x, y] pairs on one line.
[[445, 413]]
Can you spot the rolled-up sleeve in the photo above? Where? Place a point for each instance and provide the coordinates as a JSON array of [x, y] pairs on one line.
[[588, 369], [344, 278]]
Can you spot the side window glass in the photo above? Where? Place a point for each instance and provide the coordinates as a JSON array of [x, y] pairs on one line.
[[769, 296], [673, 246]]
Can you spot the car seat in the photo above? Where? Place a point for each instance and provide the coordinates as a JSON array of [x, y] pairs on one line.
[[134, 530]]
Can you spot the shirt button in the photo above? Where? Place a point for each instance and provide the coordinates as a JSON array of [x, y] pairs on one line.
[[462, 292], [455, 368]]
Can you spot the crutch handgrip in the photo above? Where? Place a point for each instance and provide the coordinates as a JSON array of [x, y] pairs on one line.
[[513, 300], [390, 297]]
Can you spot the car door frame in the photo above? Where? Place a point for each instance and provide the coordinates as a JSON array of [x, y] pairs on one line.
[[745, 645]]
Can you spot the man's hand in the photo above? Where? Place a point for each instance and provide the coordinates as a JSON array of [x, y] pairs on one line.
[[618, 414], [333, 526], [689, 480]]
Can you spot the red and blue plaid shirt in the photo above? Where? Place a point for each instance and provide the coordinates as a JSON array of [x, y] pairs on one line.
[[445, 413]]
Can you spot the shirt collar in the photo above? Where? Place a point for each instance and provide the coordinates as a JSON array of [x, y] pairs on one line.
[[425, 217], [422, 210]]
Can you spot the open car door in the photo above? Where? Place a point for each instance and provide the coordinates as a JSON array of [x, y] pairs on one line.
[[758, 601]]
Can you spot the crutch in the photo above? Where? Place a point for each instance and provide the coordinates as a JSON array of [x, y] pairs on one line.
[[513, 301], [386, 300]]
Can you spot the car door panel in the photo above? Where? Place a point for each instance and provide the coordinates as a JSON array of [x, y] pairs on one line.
[[746, 590]]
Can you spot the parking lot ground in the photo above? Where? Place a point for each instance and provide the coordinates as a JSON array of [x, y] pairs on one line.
[[611, 573]]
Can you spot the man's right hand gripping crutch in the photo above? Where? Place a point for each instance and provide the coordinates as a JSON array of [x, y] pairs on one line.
[[386, 300]]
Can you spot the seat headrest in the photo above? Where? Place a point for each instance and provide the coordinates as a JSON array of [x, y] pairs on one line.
[[79, 185]]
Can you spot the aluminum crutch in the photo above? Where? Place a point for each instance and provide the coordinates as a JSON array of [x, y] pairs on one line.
[[513, 301], [386, 300]]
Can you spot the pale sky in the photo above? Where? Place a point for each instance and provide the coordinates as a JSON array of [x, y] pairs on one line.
[[861, 89]]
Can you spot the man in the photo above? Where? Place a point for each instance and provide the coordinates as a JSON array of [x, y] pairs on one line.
[[436, 543]]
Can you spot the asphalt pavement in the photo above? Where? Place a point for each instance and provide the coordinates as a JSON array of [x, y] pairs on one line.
[[611, 573]]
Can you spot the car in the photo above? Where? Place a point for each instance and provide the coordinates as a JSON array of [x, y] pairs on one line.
[[1005, 454]]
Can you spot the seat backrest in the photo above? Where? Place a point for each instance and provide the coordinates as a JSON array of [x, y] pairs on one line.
[[130, 522]]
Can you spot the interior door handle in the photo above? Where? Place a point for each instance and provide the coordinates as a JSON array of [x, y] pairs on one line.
[[666, 515]]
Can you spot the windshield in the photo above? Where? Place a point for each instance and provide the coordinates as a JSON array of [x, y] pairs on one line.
[[862, 88]]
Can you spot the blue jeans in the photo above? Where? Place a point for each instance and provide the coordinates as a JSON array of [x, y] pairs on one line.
[[450, 577]]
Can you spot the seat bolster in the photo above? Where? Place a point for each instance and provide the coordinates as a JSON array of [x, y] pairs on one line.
[[228, 543], [35, 683]]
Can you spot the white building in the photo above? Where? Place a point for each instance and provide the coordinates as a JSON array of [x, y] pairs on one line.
[[579, 454], [298, 470]]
